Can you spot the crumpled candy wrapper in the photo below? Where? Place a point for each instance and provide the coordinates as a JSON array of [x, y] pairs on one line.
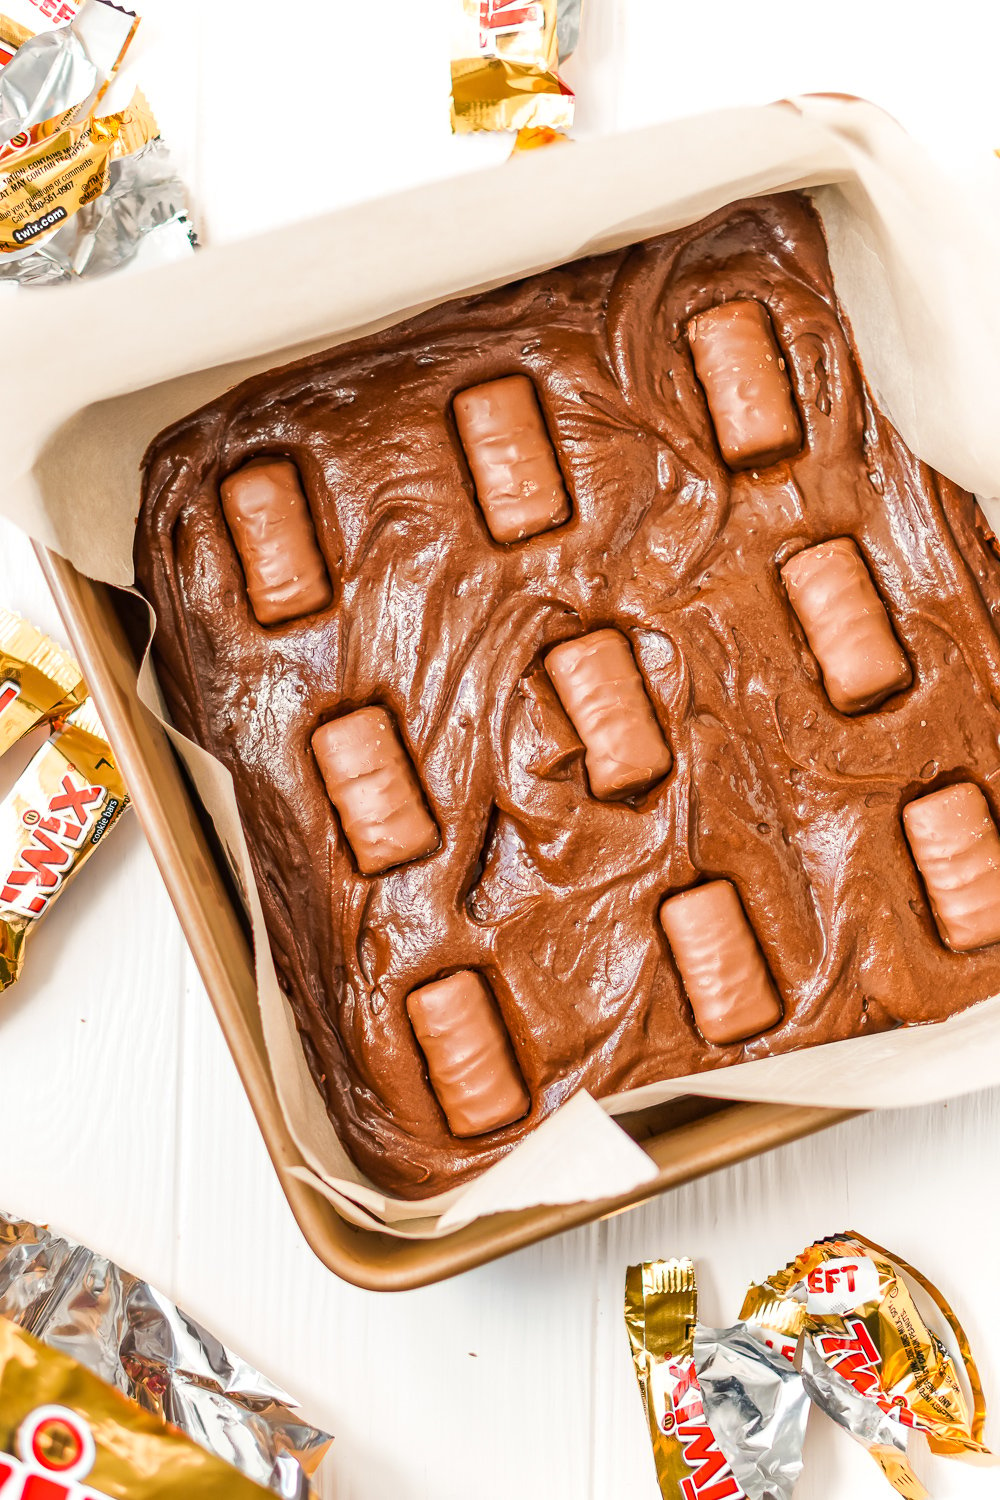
[[81, 193], [838, 1328], [504, 69], [136, 1340]]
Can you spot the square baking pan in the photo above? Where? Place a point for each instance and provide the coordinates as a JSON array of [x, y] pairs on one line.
[[686, 1138]]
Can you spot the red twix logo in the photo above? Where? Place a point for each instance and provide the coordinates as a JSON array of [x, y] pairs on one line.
[[856, 1358], [57, 10], [9, 693], [47, 857], [711, 1477]]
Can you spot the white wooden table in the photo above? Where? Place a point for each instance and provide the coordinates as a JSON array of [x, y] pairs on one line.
[[124, 1122]]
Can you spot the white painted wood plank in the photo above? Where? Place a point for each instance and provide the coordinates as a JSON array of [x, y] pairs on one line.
[[443, 1393], [683, 59], [88, 1035]]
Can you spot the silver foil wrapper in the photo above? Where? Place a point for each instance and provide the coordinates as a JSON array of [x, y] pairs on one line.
[[568, 27], [857, 1414], [757, 1407], [53, 72], [137, 1341]]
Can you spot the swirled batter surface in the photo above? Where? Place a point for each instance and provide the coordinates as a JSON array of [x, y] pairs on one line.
[[552, 894]]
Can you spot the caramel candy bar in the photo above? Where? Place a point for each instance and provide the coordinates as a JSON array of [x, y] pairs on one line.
[[957, 850], [724, 973], [374, 788], [517, 478], [470, 1060], [737, 359], [269, 518], [846, 625], [603, 693]]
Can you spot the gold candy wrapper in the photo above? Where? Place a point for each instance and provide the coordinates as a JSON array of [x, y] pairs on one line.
[[66, 1435], [65, 802], [848, 1296], [661, 1310], [58, 175], [39, 681], [504, 71]]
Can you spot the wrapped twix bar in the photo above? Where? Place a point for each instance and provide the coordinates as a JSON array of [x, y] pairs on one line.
[[39, 681], [109, 1392], [505, 58], [60, 808], [869, 1360]]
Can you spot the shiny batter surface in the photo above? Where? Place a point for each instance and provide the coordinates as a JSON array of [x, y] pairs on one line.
[[549, 892]]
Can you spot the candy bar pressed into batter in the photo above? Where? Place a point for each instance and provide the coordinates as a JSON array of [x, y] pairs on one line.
[[749, 394], [957, 849], [608, 693], [371, 784], [269, 519], [515, 470], [845, 622], [470, 1062], [721, 966], [604, 695]]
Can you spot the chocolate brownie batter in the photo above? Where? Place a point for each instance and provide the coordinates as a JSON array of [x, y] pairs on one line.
[[549, 892]]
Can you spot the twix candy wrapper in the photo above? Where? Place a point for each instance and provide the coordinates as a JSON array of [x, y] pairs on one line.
[[55, 153], [505, 60], [39, 681], [66, 1435], [107, 1388], [67, 799], [661, 1310], [22, 19], [82, 191], [869, 1359]]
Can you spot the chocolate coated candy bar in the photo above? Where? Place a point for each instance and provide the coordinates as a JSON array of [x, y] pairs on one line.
[[846, 625], [269, 518], [517, 478], [737, 359], [471, 1063], [724, 973], [957, 850], [603, 693], [374, 788]]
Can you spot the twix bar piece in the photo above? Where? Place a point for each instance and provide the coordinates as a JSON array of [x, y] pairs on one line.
[[661, 1310], [61, 807], [869, 1359], [504, 64], [39, 681]]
